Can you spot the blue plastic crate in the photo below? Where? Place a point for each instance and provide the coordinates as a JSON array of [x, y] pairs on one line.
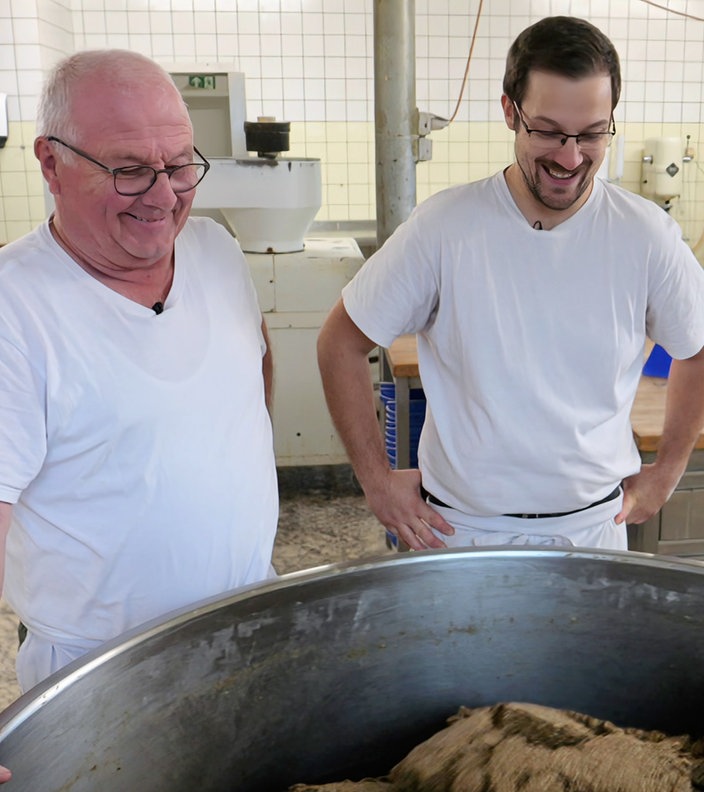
[[658, 363]]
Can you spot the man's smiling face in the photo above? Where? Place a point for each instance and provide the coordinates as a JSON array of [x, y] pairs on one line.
[[559, 176], [141, 124]]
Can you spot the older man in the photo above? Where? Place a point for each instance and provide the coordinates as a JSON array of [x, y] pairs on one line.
[[137, 472]]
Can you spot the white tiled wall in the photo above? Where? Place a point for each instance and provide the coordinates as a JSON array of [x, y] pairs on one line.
[[310, 62]]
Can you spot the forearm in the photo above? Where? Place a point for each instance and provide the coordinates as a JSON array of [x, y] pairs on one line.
[[268, 370], [393, 495], [684, 416], [344, 369], [646, 491]]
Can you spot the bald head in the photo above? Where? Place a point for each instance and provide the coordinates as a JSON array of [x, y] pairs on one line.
[[102, 111], [117, 72]]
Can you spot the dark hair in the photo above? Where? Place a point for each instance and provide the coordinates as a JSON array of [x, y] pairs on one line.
[[561, 45]]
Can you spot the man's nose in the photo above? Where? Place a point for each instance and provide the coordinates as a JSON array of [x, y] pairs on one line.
[[570, 155], [161, 192]]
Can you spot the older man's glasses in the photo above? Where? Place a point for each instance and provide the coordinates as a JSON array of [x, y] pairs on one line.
[[546, 140], [138, 179]]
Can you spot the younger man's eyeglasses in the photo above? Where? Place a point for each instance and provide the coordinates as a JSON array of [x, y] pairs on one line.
[[549, 139]]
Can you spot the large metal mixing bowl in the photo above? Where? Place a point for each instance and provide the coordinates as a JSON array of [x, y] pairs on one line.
[[337, 672]]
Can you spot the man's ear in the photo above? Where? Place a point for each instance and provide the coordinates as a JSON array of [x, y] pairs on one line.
[[509, 113], [44, 152]]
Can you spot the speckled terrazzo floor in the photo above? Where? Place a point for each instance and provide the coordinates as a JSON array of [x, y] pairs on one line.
[[323, 520], [8, 648]]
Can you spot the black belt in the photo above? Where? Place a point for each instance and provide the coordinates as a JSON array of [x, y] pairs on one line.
[[611, 496]]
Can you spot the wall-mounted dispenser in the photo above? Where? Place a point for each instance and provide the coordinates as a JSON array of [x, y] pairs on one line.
[[662, 170], [3, 120]]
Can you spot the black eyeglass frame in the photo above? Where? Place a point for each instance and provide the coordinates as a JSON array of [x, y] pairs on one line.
[[562, 137], [115, 172]]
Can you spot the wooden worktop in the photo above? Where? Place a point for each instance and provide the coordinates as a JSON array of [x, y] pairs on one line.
[[403, 356], [648, 413], [647, 416]]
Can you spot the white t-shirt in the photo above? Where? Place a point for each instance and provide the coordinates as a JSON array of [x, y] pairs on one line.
[[137, 448], [530, 342]]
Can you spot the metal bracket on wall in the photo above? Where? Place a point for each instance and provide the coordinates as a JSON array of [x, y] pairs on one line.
[[423, 146]]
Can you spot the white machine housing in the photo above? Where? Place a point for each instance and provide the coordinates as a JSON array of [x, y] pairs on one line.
[[268, 204], [296, 292]]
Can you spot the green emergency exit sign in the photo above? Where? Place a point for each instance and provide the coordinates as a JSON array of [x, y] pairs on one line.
[[206, 81]]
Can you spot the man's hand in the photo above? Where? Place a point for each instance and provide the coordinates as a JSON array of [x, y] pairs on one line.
[[644, 494], [397, 503]]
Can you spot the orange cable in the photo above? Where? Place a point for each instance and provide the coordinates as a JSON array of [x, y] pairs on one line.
[[672, 10], [469, 58]]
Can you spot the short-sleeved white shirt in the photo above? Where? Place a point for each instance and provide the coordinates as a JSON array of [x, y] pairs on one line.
[[530, 342], [136, 448]]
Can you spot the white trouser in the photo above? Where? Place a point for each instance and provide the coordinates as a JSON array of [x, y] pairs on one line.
[[592, 527], [40, 655], [38, 658]]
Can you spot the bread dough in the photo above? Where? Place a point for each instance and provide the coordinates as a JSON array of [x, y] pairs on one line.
[[538, 749]]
